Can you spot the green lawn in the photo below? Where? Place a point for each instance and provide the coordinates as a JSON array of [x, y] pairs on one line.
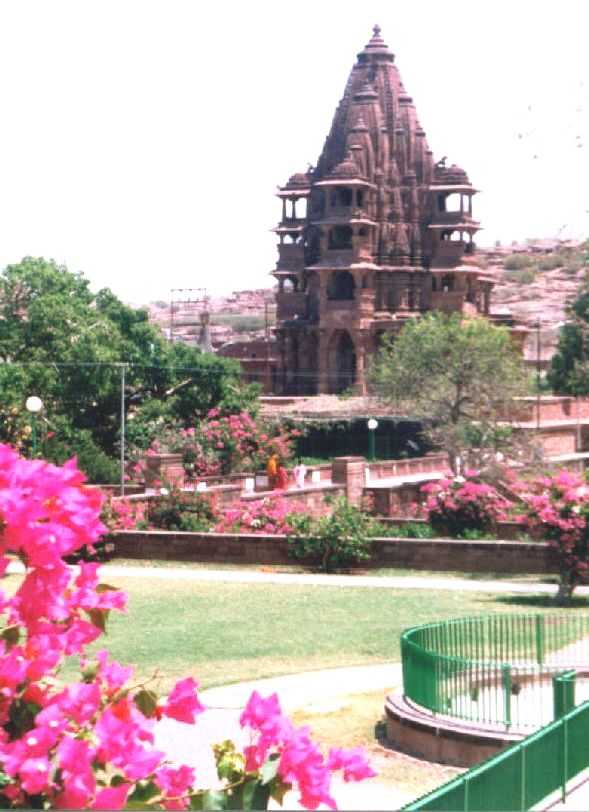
[[224, 633]]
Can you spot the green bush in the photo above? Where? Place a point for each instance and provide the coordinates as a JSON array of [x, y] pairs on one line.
[[550, 262], [342, 538], [66, 443], [516, 262], [411, 530], [181, 510], [524, 277]]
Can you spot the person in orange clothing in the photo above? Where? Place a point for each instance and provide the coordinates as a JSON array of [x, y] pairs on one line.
[[272, 471]]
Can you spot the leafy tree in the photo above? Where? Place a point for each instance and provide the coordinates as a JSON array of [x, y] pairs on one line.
[[62, 342], [460, 377], [569, 369]]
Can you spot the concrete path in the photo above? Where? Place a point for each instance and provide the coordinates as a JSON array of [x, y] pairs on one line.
[[315, 689], [316, 579]]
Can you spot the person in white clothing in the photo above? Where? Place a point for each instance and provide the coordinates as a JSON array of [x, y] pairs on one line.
[[300, 472]]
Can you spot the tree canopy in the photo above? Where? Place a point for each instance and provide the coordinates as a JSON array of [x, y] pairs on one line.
[[568, 373], [459, 376], [66, 344]]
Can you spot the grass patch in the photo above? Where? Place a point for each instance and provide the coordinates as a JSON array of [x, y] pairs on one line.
[[223, 633], [358, 720]]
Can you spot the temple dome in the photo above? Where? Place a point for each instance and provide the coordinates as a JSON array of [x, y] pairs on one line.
[[346, 169], [451, 175], [300, 180]]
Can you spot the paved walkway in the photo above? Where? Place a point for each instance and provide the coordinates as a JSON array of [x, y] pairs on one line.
[[191, 744], [317, 579]]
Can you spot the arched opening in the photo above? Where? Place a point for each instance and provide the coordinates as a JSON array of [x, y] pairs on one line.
[[344, 197], [340, 238], [342, 362], [447, 283], [340, 286]]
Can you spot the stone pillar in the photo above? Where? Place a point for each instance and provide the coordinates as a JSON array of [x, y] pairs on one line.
[[164, 469], [350, 471], [324, 376], [360, 349]]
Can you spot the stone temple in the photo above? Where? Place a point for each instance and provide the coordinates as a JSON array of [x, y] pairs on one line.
[[375, 234]]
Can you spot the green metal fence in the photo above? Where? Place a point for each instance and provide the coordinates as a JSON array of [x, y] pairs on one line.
[[521, 776], [494, 670]]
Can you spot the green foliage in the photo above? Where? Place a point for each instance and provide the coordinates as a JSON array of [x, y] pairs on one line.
[[341, 538], [550, 262], [459, 377], [182, 510], [516, 262], [65, 344], [64, 442], [240, 324], [524, 277], [569, 369], [409, 530]]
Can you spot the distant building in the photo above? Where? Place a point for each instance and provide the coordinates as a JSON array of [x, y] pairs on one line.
[[375, 234]]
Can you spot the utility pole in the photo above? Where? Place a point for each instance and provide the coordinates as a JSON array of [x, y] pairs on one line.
[[123, 366]]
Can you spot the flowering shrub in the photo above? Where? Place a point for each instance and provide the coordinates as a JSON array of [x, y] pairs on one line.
[[89, 744], [122, 514], [182, 510], [559, 506], [269, 515], [459, 506], [225, 444], [342, 537]]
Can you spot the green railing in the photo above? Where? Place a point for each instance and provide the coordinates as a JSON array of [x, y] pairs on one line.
[[521, 776], [493, 670]]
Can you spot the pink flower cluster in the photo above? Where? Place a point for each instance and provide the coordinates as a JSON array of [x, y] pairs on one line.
[[268, 516], [122, 514], [299, 759], [559, 505], [88, 744], [223, 444], [463, 503]]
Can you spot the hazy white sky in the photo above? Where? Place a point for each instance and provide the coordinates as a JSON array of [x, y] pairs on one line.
[[141, 141]]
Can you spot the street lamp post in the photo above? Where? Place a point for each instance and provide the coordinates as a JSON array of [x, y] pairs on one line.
[[372, 426], [538, 378], [34, 405]]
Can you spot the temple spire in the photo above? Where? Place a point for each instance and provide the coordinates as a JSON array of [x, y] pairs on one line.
[[376, 45]]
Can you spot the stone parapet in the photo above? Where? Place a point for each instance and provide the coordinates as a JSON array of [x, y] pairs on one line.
[[436, 554]]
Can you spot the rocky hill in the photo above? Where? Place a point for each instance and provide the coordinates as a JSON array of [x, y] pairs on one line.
[[536, 282], [243, 313]]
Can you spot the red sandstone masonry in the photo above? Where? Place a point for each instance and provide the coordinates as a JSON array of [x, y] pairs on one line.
[[432, 554]]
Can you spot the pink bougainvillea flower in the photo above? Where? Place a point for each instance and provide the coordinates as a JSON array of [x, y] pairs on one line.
[[112, 797], [183, 703], [353, 763]]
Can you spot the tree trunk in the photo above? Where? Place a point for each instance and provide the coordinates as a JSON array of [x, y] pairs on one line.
[[566, 586]]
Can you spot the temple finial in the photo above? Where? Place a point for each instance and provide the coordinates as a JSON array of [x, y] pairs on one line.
[[376, 30]]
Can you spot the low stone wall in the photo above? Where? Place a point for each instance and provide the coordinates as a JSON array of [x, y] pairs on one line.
[[431, 554], [553, 408], [312, 499], [409, 467]]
